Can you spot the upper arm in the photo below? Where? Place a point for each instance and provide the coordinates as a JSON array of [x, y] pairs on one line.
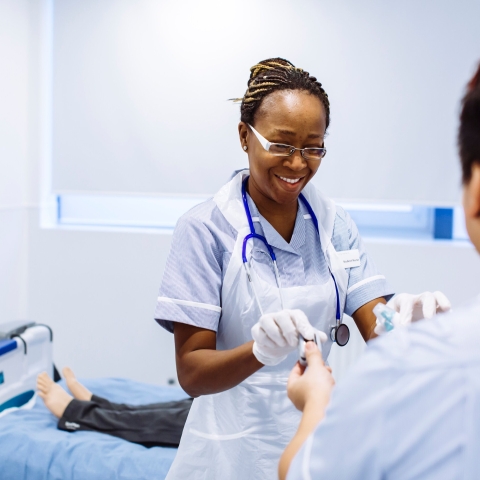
[[188, 339], [190, 292], [365, 318]]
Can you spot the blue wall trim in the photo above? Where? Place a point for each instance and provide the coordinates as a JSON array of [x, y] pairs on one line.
[[443, 224], [59, 208]]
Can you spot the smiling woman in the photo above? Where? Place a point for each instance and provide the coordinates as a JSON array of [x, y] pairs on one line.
[[292, 110], [292, 117], [268, 261]]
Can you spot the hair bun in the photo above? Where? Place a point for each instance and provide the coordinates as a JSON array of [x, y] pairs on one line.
[[274, 74]]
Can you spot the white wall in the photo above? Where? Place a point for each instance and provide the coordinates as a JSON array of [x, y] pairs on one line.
[[97, 290], [140, 100], [14, 152]]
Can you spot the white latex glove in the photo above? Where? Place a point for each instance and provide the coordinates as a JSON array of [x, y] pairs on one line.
[[275, 335], [415, 307], [322, 336]]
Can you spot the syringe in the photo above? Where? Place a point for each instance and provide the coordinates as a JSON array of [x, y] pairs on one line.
[[386, 317]]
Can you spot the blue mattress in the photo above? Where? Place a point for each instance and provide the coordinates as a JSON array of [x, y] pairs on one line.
[[32, 448]]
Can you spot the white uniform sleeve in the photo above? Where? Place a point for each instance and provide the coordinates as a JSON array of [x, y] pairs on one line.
[[191, 284], [409, 409]]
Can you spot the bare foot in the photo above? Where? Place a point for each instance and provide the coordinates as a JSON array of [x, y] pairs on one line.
[[55, 397], [79, 391]]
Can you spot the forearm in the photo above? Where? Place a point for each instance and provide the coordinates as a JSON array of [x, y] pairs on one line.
[[207, 371], [313, 413]]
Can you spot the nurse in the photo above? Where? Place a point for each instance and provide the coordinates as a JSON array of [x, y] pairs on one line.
[[267, 259]]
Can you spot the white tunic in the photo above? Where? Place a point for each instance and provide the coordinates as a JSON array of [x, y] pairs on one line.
[[240, 433], [410, 409]]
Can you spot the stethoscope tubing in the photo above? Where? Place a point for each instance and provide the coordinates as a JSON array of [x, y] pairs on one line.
[[315, 223], [254, 235]]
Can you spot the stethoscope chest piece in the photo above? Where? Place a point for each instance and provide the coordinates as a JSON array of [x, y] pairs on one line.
[[340, 334]]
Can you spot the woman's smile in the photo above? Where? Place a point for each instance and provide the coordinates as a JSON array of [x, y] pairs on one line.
[[289, 180], [290, 184]]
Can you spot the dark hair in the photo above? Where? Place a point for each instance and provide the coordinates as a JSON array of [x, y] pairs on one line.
[[469, 131], [275, 74]]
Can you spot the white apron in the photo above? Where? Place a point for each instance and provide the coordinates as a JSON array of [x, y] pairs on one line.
[[241, 433]]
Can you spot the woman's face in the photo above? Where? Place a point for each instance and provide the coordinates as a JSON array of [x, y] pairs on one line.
[[291, 117]]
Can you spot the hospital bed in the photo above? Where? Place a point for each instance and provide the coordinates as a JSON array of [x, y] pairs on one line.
[[25, 351], [31, 446]]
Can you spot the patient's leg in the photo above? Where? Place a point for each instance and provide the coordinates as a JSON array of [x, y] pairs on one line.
[[159, 424], [79, 391], [55, 397]]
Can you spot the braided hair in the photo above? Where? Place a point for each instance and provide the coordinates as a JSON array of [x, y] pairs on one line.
[[275, 74], [469, 132]]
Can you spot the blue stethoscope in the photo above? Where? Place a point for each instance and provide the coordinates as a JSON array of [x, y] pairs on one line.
[[339, 333]]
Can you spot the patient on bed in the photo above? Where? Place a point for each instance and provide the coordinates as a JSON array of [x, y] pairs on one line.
[[156, 424]]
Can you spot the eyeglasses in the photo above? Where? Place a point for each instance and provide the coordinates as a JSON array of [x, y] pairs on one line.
[[281, 150]]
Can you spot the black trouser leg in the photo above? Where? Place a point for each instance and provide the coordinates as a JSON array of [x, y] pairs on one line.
[[156, 424]]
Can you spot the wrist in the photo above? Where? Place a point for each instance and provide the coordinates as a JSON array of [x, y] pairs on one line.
[[317, 401], [313, 411], [266, 359], [320, 401]]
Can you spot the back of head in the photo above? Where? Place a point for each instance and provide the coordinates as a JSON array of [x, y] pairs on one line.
[[276, 74], [469, 131]]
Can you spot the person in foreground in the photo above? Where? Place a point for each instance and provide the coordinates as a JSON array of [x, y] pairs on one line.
[[411, 408], [153, 425]]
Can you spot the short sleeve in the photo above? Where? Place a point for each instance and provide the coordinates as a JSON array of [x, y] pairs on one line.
[[190, 291], [365, 282], [348, 443]]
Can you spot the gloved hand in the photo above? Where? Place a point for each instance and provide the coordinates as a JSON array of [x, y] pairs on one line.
[[322, 336], [415, 307], [275, 335]]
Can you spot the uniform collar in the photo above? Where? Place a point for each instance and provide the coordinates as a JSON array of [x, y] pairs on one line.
[[272, 236]]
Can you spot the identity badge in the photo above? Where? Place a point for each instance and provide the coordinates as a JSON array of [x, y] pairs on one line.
[[350, 258]]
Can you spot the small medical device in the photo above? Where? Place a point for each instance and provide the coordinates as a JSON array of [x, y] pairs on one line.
[[302, 358], [385, 316], [25, 351], [339, 332]]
